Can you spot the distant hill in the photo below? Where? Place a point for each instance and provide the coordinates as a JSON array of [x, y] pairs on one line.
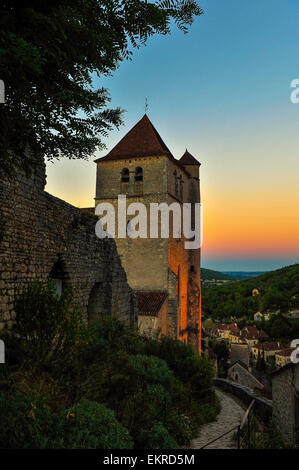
[[278, 290], [243, 274], [209, 274]]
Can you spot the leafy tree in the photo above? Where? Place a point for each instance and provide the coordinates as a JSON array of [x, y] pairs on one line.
[[281, 328], [221, 350], [260, 363], [50, 52]]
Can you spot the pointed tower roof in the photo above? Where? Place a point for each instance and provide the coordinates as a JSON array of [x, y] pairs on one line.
[[141, 141], [188, 159]]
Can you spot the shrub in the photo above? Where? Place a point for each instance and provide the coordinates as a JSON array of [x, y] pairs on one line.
[[50, 329], [150, 369], [93, 426], [180, 427], [156, 438], [26, 422]]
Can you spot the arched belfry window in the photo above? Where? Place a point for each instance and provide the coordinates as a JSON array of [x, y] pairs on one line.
[[181, 187], [125, 181], [138, 181], [176, 183]]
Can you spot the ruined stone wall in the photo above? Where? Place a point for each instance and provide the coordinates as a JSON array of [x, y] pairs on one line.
[[38, 230]]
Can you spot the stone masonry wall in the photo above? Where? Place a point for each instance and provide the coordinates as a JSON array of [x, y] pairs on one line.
[[158, 263], [38, 230], [243, 377], [285, 383]]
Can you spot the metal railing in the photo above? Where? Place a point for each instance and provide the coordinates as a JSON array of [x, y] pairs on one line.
[[239, 428]]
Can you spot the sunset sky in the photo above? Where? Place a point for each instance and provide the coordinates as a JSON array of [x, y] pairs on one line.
[[222, 91]]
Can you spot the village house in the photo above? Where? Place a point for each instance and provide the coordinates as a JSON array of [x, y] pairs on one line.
[[283, 357], [151, 313], [235, 337], [226, 331], [223, 331], [252, 335], [265, 350], [240, 373], [258, 316]]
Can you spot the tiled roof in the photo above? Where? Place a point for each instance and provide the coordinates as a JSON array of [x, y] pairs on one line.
[[252, 332], [274, 346], [285, 352], [150, 303], [222, 327], [234, 329], [188, 159], [263, 335], [143, 140]]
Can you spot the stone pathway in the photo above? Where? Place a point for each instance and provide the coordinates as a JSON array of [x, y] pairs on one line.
[[230, 415]]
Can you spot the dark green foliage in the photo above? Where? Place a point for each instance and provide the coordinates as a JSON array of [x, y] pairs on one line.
[[279, 290], [281, 328], [49, 328], [188, 367], [93, 426], [27, 422], [139, 391], [51, 52], [156, 438], [261, 363], [262, 436]]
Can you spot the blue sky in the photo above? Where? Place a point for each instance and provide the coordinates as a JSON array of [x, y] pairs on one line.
[[223, 91]]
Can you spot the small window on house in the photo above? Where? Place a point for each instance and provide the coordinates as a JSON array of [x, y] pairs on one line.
[[138, 183], [192, 268], [125, 181]]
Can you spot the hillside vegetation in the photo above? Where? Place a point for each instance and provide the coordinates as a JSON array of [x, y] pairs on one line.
[[278, 290]]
